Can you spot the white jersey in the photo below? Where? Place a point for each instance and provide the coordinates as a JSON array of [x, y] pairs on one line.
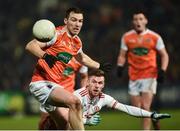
[[91, 106]]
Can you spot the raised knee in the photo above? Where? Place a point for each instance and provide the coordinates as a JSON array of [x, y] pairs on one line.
[[75, 103]]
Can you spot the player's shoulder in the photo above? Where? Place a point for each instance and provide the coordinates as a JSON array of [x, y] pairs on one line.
[[107, 99], [77, 39], [103, 95], [153, 33], [82, 91], [106, 95], [59, 29], [129, 33]]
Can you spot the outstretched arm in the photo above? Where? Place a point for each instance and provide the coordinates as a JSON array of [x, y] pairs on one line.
[[138, 112], [87, 61], [132, 110]]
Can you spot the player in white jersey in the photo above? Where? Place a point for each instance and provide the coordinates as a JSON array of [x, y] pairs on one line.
[[93, 99]]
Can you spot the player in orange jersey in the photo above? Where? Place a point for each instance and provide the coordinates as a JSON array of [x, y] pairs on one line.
[[141, 46], [74, 67], [54, 57]]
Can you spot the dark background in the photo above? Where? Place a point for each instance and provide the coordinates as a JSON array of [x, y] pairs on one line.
[[104, 23]]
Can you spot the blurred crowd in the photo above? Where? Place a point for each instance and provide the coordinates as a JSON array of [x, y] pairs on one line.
[[104, 23]]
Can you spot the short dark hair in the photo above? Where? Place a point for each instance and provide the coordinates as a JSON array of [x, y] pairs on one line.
[[73, 9], [139, 11], [96, 72]]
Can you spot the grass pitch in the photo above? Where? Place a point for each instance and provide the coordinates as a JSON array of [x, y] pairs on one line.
[[110, 121]]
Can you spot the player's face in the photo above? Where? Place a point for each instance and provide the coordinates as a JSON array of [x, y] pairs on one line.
[[95, 85], [139, 22], [74, 23]]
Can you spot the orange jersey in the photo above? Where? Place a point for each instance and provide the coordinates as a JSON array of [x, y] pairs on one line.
[[68, 81], [64, 47], [142, 49]]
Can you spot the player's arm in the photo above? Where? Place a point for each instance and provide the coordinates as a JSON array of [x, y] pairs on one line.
[[121, 61], [138, 112], [121, 57], [84, 76], [87, 61], [132, 110], [35, 48], [164, 59]]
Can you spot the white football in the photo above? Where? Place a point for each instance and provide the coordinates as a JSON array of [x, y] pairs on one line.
[[44, 30]]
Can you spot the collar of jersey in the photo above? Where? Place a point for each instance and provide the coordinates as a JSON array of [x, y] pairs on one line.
[[143, 33], [64, 31]]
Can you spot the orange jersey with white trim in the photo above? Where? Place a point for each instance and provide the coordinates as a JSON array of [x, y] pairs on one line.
[[141, 51], [64, 48]]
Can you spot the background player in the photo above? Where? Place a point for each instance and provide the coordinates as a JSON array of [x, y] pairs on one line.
[[53, 59], [141, 46]]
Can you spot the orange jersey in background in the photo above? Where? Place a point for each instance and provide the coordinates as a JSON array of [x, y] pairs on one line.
[[141, 54], [64, 47]]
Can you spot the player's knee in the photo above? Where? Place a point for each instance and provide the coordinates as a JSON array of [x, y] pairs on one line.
[[146, 106], [75, 103]]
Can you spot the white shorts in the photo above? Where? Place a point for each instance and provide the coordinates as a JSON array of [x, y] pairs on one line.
[[142, 85], [41, 91]]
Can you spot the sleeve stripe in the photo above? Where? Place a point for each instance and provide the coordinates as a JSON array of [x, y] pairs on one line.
[[84, 94], [114, 105], [81, 92]]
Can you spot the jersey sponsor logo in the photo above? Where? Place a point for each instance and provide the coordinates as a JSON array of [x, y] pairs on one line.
[[96, 108], [68, 71], [140, 51], [64, 57]]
